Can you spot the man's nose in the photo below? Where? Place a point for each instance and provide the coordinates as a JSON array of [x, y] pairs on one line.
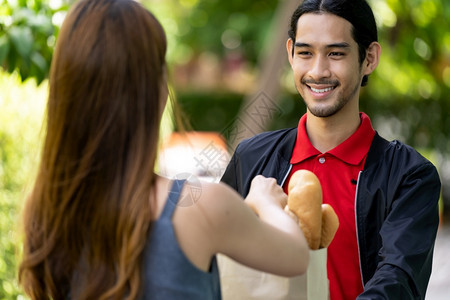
[[320, 68]]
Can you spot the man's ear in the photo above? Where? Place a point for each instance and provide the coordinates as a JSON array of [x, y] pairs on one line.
[[372, 58], [289, 47]]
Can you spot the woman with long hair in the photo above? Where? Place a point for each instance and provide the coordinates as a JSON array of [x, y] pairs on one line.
[[99, 223]]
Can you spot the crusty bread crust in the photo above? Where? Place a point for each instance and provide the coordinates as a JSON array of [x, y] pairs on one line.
[[305, 201], [330, 224], [318, 221]]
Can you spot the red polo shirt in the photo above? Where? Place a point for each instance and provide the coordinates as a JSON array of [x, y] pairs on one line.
[[338, 171]]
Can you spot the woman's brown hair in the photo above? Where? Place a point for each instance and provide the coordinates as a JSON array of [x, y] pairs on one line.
[[87, 219]]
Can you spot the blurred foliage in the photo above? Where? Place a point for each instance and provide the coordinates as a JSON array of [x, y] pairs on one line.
[[216, 116], [412, 82], [28, 30], [22, 107], [215, 26]]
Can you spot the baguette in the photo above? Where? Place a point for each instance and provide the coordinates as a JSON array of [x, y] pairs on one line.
[[318, 221], [330, 224], [305, 201]]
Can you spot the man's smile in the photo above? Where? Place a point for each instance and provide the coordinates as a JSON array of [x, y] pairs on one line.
[[321, 87], [321, 90]]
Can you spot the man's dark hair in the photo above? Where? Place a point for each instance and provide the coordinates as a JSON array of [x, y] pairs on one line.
[[357, 12]]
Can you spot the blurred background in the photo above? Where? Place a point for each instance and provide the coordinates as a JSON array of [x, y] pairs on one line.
[[230, 76]]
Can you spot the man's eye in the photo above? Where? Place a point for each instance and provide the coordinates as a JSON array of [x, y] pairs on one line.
[[337, 54], [303, 53]]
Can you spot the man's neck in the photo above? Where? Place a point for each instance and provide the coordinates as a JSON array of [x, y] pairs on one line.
[[327, 133]]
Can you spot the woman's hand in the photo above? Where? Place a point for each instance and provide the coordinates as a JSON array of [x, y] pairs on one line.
[[265, 193]]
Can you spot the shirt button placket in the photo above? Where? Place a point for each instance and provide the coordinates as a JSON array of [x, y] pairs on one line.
[[322, 160]]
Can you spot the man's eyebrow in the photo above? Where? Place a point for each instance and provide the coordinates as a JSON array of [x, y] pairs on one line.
[[302, 45], [334, 45], [339, 45]]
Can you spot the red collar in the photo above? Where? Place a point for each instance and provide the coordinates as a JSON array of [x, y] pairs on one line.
[[352, 150]]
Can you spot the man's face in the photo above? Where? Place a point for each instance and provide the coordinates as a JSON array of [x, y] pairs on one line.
[[326, 66]]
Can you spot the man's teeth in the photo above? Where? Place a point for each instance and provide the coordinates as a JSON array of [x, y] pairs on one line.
[[321, 90]]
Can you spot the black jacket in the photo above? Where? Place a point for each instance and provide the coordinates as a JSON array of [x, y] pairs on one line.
[[396, 208]]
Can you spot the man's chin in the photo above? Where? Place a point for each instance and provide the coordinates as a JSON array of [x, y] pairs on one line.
[[322, 112]]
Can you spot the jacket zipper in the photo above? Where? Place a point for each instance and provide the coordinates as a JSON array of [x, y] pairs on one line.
[[356, 225], [286, 176]]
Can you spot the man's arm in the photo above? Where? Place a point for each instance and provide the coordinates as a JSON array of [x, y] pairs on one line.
[[408, 234], [230, 177]]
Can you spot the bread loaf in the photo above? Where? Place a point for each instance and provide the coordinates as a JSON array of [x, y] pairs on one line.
[[318, 221], [330, 224], [305, 201]]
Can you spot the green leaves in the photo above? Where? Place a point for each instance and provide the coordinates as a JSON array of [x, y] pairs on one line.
[[25, 32], [4, 47], [22, 40]]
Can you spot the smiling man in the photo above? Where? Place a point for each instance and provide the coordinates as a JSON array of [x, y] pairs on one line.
[[384, 193]]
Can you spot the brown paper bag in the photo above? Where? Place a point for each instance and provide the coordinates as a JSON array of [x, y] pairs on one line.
[[240, 282]]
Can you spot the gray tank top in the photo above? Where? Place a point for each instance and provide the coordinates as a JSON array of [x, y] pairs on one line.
[[168, 273]]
